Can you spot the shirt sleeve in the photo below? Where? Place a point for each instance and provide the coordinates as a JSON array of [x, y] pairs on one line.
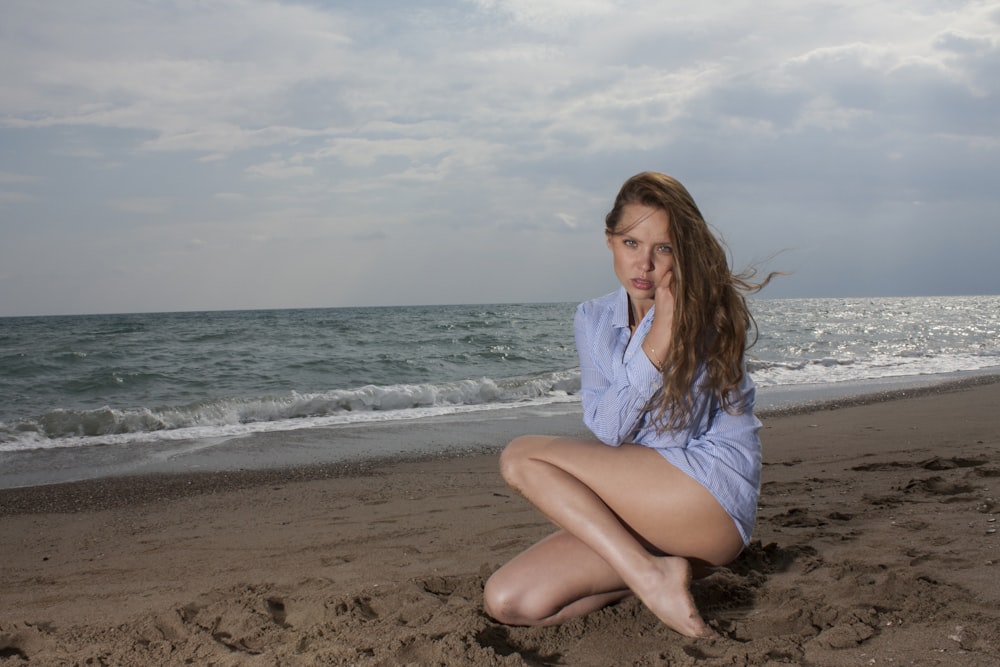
[[615, 391]]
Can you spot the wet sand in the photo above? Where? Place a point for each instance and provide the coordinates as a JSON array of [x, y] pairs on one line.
[[876, 544]]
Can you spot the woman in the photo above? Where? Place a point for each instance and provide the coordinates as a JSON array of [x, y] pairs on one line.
[[663, 383]]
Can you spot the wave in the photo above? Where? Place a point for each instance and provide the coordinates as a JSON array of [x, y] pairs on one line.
[[234, 417], [822, 370], [759, 366], [239, 416]]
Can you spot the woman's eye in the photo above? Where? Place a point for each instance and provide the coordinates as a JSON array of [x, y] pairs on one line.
[[664, 249], [629, 243]]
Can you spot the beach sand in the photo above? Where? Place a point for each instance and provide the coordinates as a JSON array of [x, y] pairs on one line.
[[875, 545]]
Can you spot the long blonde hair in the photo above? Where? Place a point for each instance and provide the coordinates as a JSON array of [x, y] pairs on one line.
[[711, 317]]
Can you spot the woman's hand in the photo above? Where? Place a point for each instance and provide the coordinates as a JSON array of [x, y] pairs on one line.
[[657, 343], [664, 298]]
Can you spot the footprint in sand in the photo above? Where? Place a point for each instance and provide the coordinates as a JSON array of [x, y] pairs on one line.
[[276, 609], [358, 607], [938, 486], [10, 648], [798, 518], [935, 463]]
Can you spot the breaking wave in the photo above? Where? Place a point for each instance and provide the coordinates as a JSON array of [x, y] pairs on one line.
[[239, 416]]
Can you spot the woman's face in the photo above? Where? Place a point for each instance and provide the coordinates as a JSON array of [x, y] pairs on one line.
[[643, 251]]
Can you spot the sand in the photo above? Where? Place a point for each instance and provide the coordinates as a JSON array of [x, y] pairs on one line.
[[876, 545]]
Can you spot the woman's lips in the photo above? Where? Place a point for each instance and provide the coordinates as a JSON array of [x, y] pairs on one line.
[[641, 284]]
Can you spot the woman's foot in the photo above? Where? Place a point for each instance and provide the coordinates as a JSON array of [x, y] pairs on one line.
[[666, 591]]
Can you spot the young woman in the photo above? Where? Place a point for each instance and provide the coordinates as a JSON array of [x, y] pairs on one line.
[[663, 383]]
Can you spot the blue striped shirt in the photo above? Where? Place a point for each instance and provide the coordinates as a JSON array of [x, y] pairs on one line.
[[718, 449]]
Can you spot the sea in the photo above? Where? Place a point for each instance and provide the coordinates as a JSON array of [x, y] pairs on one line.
[[89, 395]]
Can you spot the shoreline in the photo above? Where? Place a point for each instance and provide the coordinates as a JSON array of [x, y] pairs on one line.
[[118, 490], [929, 387], [876, 543]]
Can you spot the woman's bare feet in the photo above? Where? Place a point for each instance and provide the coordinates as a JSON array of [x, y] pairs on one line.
[[666, 590]]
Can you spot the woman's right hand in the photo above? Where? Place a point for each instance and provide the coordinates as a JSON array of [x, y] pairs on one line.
[[657, 343], [664, 299]]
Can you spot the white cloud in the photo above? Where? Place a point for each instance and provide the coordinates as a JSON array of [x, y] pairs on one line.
[[504, 123], [568, 220], [204, 77], [549, 15], [278, 169]]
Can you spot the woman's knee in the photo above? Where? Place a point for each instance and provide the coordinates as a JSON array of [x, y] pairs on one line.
[[503, 603], [516, 454], [496, 601]]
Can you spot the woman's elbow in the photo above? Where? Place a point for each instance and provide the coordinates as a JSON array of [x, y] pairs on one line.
[[607, 436]]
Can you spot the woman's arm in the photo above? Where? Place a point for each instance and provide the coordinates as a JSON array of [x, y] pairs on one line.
[[615, 393]]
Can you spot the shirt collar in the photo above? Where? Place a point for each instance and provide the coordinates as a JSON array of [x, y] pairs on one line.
[[621, 313], [620, 316]]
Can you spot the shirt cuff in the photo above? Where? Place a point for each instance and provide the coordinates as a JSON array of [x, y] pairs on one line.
[[642, 374]]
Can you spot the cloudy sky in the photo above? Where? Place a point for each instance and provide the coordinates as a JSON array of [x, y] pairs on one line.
[[159, 155]]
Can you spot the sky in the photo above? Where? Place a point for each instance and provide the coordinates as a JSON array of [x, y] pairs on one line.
[[237, 154]]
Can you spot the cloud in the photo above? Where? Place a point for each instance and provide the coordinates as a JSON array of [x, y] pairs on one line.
[[548, 15], [12, 177], [142, 205], [568, 220], [197, 77], [280, 169], [14, 198], [373, 235], [446, 133]]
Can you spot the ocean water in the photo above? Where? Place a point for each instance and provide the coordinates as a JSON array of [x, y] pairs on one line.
[[134, 380]]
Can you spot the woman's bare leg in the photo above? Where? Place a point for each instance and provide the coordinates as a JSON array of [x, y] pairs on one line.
[[557, 579], [604, 497]]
